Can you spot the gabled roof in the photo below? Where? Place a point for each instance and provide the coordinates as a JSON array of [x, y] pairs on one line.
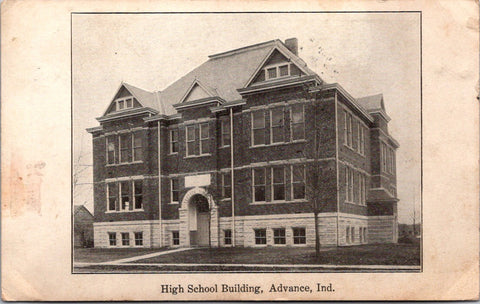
[[145, 98], [226, 72], [372, 102], [77, 208]]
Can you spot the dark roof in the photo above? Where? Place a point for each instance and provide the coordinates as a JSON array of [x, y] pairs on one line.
[[372, 102], [222, 74], [77, 208]]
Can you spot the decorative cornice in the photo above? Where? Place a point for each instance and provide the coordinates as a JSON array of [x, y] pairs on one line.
[[127, 113], [282, 83], [199, 103], [95, 129]]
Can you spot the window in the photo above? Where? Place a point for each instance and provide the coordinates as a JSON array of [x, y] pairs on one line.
[[124, 103], [349, 184], [278, 183], [298, 181], [347, 236], [112, 239], [175, 190], [352, 234], [174, 141], [138, 238], [362, 139], [125, 195], [360, 234], [175, 238], [299, 236], [112, 196], [349, 130], [298, 122], [226, 185], [228, 237], [279, 236], [138, 194], [125, 239], [191, 140], [225, 126], [276, 125], [258, 128], [345, 127], [259, 184], [260, 236], [125, 148], [283, 70], [111, 154], [137, 146], [277, 71], [365, 234], [204, 138]]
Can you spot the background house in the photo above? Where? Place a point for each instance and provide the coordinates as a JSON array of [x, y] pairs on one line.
[[82, 227]]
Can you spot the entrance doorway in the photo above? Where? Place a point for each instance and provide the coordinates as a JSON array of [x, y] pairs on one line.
[[199, 221]]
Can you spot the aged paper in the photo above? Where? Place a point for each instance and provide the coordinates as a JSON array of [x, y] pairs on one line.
[[63, 63]]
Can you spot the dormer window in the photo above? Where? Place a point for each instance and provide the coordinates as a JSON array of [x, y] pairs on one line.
[[281, 70], [124, 103]]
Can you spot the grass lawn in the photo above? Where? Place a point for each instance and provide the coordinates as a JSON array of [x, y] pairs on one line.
[[99, 255], [379, 254]]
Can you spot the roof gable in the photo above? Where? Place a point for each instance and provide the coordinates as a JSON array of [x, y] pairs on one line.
[[197, 91], [141, 98], [278, 56]]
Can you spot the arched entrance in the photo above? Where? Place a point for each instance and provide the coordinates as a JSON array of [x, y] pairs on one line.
[[198, 219]]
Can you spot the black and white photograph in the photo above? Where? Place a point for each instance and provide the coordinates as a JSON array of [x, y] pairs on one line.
[[246, 142]]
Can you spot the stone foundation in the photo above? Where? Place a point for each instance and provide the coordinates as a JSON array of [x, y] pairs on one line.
[[150, 230]]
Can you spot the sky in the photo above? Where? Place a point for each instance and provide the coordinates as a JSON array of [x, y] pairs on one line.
[[366, 53]]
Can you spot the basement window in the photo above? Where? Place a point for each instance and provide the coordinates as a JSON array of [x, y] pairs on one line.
[[125, 239], [299, 236], [279, 236], [228, 237], [138, 238], [260, 236], [112, 239], [175, 238]]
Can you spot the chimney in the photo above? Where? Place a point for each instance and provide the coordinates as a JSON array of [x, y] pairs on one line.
[[292, 45]]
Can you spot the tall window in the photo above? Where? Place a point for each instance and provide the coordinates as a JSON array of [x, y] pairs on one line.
[[111, 155], [276, 125], [279, 236], [138, 194], [228, 237], [125, 195], [298, 181], [125, 148], [112, 196], [349, 183], [362, 139], [299, 236], [174, 141], [137, 146], [260, 236], [138, 238], [259, 184], [204, 138], [347, 236], [112, 239], [191, 140], [175, 238], [225, 133], [298, 122], [278, 184], [174, 190], [125, 239], [352, 234], [349, 130], [227, 185], [258, 128]]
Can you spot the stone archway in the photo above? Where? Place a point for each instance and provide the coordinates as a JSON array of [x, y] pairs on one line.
[[185, 219]]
